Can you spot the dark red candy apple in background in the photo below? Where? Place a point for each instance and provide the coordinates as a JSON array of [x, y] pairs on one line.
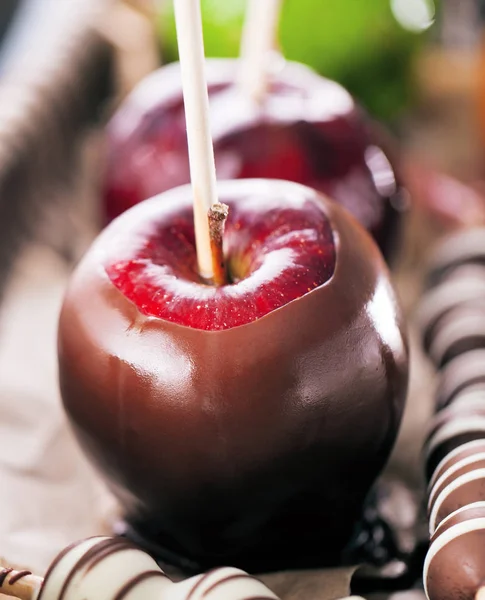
[[307, 130], [241, 424]]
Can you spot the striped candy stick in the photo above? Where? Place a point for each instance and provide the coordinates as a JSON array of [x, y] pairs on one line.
[[100, 567], [19, 584], [104, 568], [452, 320], [114, 569]]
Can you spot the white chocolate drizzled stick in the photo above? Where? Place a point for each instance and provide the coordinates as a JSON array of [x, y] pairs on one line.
[[19, 584], [258, 41], [454, 568], [201, 151], [100, 568], [104, 568], [222, 584]]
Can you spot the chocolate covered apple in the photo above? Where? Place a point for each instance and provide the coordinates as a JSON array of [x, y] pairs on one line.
[[242, 424], [307, 129], [232, 358]]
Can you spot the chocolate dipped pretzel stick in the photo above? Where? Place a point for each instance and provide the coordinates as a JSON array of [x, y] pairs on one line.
[[20, 584], [452, 319], [105, 568]]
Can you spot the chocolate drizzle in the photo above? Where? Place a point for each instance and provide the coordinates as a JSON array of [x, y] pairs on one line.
[[55, 563], [103, 550], [199, 583], [98, 552], [134, 581], [19, 575], [232, 577], [3, 574], [259, 598], [93, 556]]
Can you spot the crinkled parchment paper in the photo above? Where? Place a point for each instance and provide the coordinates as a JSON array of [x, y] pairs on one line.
[[49, 496]]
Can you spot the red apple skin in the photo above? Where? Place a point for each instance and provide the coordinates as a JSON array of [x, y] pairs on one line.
[[255, 445], [308, 130], [278, 248]]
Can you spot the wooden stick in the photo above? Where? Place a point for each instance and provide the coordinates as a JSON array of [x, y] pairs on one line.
[[19, 584], [258, 40], [217, 221], [201, 152]]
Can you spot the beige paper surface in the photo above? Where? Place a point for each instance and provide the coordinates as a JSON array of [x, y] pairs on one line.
[[48, 494]]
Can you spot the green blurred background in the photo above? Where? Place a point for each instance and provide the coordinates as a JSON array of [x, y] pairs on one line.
[[367, 45]]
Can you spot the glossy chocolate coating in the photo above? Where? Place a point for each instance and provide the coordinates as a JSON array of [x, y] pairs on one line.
[[254, 446], [453, 293], [455, 565], [473, 463], [468, 270], [461, 331], [459, 374], [475, 510], [462, 248], [453, 414], [461, 452], [455, 433]]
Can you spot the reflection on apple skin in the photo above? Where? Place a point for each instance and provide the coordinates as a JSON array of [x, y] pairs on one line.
[[255, 445]]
